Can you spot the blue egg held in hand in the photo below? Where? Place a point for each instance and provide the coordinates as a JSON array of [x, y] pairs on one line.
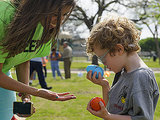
[[95, 68]]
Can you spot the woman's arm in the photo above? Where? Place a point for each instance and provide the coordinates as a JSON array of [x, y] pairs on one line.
[[11, 84], [22, 72]]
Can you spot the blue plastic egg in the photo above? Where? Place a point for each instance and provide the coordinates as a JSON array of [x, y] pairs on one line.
[[95, 68]]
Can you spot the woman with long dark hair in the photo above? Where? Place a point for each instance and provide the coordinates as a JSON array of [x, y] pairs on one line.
[[27, 30]]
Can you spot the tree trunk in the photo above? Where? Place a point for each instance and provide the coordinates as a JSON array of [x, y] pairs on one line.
[[157, 47], [157, 42]]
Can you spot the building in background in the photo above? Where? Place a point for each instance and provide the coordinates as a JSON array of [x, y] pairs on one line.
[[76, 43]]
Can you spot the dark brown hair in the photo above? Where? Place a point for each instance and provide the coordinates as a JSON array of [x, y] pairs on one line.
[[29, 14]]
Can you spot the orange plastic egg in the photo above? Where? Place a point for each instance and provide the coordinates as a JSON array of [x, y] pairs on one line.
[[95, 103], [107, 73]]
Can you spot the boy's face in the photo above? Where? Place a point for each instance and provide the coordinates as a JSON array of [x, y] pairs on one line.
[[114, 62]]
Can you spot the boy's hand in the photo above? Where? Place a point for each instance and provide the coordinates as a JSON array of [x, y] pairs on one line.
[[103, 113], [100, 81]]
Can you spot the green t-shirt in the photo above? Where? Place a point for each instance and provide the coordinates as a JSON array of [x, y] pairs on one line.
[[6, 13]]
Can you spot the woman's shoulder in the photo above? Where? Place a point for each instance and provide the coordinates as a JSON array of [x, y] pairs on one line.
[[7, 9], [5, 5]]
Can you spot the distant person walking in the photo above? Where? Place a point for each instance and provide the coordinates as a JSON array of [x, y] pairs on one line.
[[95, 60], [36, 65], [154, 56], [44, 63], [67, 57], [54, 56]]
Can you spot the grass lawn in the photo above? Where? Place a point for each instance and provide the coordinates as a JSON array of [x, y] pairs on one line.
[[73, 109], [152, 64]]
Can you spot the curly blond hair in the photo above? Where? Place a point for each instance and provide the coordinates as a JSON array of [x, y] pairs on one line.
[[114, 30]]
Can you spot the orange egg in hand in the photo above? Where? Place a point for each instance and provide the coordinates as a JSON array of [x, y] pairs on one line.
[[95, 103]]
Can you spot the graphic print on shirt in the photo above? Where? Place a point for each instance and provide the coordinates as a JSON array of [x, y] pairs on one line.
[[121, 98], [32, 46]]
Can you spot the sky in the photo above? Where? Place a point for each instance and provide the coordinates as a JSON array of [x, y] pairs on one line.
[[145, 33]]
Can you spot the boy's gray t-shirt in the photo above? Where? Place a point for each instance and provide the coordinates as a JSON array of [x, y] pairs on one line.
[[135, 94]]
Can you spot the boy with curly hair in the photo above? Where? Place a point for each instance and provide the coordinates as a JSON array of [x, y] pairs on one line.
[[134, 96]]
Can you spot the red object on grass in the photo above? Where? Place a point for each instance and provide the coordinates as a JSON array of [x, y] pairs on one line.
[[13, 118], [95, 103]]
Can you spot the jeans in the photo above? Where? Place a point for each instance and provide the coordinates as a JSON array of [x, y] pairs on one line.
[[55, 67]]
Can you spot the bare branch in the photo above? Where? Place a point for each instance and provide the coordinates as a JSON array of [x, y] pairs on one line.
[[82, 11], [108, 4], [148, 27]]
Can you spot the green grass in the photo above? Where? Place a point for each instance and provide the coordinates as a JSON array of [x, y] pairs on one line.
[[75, 65], [68, 110], [151, 64], [72, 109], [84, 91]]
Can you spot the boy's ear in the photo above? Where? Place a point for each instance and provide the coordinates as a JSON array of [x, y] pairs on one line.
[[120, 49]]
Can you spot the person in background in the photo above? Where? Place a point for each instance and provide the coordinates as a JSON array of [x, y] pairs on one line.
[[27, 30], [44, 63], [54, 56], [36, 65], [154, 56], [32, 77], [67, 58], [95, 60], [135, 95]]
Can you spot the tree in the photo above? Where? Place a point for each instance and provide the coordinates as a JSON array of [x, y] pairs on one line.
[[148, 44], [147, 13], [98, 6]]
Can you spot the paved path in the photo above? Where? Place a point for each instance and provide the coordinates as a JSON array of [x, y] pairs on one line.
[[156, 70]]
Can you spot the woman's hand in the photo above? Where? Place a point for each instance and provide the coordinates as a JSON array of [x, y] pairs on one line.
[[100, 81], [25, 97], [102, 113], [55, 96]]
